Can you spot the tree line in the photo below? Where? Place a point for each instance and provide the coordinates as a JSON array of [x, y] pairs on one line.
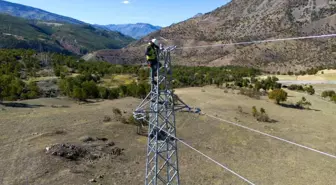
[[86, 86], [18, 65]]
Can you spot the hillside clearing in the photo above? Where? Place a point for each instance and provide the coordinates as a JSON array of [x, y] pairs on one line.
[[117, 80]]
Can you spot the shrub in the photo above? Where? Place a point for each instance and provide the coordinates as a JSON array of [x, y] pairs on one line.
[[79, 94], [310, 90], [90, 88], [262, 110], [132, 121], [107, 119], [296, 87], [57, 71], [279, 95], [303, 103], [117, 112], [268, 83], [257, 86], [103, 92], [260, 116], [326, 94], [114, 94], [254, 111], [34, 91], [263, 117], [238, 83], [124, 120], [333, 98], [252, 93], [240, 109]]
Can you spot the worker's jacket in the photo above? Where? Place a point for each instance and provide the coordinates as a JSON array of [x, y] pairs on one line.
[[152, 52]]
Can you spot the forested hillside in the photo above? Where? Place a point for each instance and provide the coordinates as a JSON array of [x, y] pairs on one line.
[[32, 13], [57, 37]]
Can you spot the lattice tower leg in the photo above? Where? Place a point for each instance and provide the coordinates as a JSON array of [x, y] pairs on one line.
[[162, 157]]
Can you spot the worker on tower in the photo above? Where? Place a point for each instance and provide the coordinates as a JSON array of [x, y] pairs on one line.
[[152, 56]]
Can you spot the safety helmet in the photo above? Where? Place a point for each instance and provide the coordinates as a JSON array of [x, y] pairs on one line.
[[155, 41]]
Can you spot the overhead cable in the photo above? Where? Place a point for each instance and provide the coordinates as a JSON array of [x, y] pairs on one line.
[[206, 156], [261, 41], [274, 137]]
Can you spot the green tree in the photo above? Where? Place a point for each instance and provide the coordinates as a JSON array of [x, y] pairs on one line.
[[57, 71], [79, 93], [326, 94], [66, 86], [123, 90], [310, 90], [142, 92], [103, 92], [90, 88], [257, 86], [114, 93], [279, 95], [33, 90]]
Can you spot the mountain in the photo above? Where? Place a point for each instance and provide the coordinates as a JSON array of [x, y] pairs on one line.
[[198, 15], [60, 37], [136, 31], [247, 20], [28, 12]]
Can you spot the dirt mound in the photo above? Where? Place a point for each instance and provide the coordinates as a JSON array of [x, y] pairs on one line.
[[68, 151], [84, 152]]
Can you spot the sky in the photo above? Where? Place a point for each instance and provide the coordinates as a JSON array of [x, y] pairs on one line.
[[156, 12]]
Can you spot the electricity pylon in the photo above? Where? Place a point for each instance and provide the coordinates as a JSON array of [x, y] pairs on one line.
[[158, 108]]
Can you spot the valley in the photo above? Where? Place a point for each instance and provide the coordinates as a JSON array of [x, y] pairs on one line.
[[249, 111]]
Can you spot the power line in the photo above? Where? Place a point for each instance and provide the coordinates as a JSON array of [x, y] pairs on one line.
[[262, 41], [274, 137], [206, 156], [219, 164]]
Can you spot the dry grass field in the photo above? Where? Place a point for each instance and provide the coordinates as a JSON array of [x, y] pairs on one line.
[[117, 80], [26, 132], [323, 75]]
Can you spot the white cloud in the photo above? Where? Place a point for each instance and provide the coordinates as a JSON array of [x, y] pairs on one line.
[[126, 2]]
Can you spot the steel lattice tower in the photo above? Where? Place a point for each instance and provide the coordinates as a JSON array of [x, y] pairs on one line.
[[158, 108]]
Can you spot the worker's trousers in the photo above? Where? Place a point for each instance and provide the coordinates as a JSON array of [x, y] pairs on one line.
[[154, 64]]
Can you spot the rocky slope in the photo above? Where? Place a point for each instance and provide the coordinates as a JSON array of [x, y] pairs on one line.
[[246, 20]]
